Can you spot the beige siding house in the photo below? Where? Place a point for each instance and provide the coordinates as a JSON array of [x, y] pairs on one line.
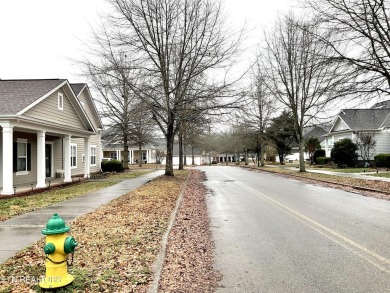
[[349, 122], [49, 128]]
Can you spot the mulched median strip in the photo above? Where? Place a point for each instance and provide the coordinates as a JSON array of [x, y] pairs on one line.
[[188, 265]]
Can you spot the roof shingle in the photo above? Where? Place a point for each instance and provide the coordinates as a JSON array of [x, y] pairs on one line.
[[358, 119], [15, 95]]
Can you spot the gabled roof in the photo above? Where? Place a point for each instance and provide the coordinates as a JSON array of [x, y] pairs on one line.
[[315, 131], [16, 95], [360, 119], [19, 96], [381, 105], [77, 88]]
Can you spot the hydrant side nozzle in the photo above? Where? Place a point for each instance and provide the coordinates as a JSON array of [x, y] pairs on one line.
[[70, 244], [49, 248]]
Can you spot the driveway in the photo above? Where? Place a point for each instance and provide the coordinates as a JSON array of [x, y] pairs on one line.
[[274, 234]]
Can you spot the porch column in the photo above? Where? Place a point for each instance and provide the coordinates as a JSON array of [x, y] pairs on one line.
[[8, 176], [41, 159], [68, 177], [87, 158]]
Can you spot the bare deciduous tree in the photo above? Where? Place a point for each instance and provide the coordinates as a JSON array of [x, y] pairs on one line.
[[258, 112], [183, 50], [300, 73], [114, 99], [141, 126], [362, 30], [366, 143]]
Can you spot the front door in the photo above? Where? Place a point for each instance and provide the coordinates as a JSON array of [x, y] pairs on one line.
[[48, 159]]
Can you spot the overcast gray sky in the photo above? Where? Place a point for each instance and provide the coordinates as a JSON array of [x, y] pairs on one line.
[[38, 37]]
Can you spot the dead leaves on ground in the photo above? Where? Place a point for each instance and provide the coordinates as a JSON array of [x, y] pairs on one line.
[[188, 265], [118, 243]]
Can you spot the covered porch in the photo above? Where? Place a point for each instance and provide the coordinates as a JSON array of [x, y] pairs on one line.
[[32, 155]]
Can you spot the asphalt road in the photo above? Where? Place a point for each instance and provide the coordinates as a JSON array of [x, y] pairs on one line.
[[274, 234]]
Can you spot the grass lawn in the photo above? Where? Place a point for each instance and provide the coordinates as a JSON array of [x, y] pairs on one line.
[[345, 170], [374, 184], [12, 207], [118, 243], [385, 175]]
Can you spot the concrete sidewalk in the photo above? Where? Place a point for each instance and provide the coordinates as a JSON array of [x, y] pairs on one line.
[[24, 230], [365, 175]]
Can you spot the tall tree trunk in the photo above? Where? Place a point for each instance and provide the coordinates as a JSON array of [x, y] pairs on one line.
[[140, 155], [170, 140], [125, 152], [302, 156], [184, 154], [181, 167], [262, 152], [193, 155]]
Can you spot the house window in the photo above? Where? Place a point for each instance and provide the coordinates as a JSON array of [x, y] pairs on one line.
[[73, 155], [60, 101], [21, 156], [93, 155], [113, 155], [21, 165]]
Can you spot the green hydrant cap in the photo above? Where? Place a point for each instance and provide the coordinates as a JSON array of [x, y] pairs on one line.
[[55, 225]]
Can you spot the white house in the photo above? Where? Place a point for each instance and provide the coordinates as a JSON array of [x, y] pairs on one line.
[[349, 122], [311, 131], [48, 126]]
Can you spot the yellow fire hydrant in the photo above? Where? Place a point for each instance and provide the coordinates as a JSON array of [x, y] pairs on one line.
[[58, 245]]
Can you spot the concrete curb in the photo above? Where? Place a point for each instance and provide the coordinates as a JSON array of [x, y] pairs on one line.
[[328, 182], [158, 265]]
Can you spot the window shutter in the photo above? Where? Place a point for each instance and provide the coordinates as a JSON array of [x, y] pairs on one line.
[[29, 157], [15, 156]]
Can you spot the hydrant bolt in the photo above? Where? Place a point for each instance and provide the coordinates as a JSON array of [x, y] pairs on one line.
[[70, 244], [49, 248]]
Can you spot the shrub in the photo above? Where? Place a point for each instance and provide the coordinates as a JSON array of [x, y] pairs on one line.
[[344, 153], [318, 153], [382, 160], [322, 160], [112, 166]]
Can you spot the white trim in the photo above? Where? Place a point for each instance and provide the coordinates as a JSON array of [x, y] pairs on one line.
[[41, 158], [21, 173], [80, 91], [41, 99], [90, 154], [91, 102], [60, 101], [7, 160], [21, 141], [71, 146]]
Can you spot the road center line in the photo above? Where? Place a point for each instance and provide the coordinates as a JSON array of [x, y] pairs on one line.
[[321, 228]]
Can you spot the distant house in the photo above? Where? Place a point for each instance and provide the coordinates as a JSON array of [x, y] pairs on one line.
[[349, 122], [49, 128], [113, 149], [308, 132]]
